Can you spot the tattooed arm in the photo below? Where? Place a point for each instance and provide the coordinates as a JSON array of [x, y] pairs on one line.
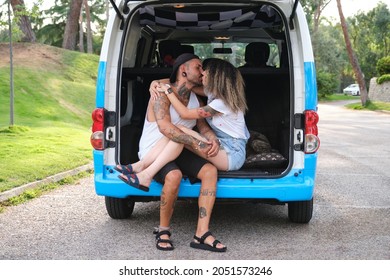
[[169, 130], [208, 133], [156, 85], [184, 112]]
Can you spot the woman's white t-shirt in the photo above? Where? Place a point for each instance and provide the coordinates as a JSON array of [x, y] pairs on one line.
[[229, 122]]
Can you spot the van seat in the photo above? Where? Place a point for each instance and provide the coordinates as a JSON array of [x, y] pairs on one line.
[[169, 50]]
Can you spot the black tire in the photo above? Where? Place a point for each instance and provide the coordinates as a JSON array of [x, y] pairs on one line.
[[300, 211], [119, 208]]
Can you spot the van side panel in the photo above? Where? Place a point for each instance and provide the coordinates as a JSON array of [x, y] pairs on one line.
[[310, 86], [100, 84]]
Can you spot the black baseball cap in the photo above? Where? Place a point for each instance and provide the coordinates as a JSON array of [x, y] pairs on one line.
[[183, 58]]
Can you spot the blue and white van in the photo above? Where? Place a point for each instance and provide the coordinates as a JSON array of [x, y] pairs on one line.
[[268, 40]]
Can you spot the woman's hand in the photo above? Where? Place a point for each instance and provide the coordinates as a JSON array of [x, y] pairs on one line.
[[163, 88], [155, 89]]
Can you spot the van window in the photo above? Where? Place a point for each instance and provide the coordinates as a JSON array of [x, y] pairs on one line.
[[237, 55]]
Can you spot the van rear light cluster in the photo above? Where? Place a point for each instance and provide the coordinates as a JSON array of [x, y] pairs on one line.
[[97, 137], [312, 142]]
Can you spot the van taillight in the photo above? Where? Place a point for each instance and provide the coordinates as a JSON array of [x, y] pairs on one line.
[[312, 142], [97, 137]]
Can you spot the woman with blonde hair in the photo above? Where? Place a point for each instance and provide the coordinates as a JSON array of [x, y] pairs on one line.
[[223, 85]]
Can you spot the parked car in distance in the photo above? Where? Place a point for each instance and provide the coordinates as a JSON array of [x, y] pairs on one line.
[[352, 89]]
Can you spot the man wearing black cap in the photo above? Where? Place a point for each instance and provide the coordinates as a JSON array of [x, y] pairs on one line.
[[186, 74]]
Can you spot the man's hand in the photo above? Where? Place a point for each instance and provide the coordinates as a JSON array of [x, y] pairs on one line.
[[202, 146], [215, 146]]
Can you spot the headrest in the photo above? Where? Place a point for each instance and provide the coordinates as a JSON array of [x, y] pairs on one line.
[[187, 49], [169, 50], [257, 53]]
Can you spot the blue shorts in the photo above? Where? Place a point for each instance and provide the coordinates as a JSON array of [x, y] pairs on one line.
[[236, 151]]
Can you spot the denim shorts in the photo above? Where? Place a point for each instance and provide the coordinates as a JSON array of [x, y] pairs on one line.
[[236, 151]]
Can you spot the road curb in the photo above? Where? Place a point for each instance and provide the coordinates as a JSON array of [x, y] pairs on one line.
[[51, 179]]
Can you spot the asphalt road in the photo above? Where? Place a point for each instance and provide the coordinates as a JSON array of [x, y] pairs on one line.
[[351, 219]]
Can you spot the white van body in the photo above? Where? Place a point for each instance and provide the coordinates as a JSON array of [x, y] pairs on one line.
[[282, 97]]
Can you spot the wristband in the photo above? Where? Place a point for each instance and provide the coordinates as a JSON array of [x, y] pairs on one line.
[[168, 91]]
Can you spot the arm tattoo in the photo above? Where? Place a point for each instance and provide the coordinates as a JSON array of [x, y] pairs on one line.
[[181, 137], [161, 107], [207, 111]]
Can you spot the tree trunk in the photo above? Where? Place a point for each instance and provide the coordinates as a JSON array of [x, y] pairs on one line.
[[89, 29], [24, 21], [107, 10], [81, 31], [72, 25], [317, 15], [352, 57]]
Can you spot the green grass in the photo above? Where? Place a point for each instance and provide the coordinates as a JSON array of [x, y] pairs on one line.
[[30, 154], [374, 106], [371, 105], [36, 192], [52, 119], [337, 97]]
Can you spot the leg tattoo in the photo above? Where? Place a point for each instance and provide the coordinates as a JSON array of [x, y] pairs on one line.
[[163, 202], [202, 212], [206, 192]]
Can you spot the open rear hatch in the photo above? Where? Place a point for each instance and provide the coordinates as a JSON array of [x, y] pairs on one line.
[[213, 25]]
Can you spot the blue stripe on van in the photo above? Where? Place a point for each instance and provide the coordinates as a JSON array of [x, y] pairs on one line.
[[310, 86], [100, 84]]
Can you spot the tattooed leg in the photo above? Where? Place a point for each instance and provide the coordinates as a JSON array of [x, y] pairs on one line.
[[168, 199], [208, 176]]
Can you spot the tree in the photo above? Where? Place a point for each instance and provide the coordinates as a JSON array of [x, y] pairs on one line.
[[81, 31], [352, 57], [24, 22], [89, 29], [72, 25], [313, 10], [381, 15], [330, 56]]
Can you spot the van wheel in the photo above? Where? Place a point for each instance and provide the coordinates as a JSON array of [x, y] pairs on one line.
[[300, 211], [119, 208]]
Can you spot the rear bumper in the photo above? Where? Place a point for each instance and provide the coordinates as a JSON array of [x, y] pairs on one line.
[[297, 185]]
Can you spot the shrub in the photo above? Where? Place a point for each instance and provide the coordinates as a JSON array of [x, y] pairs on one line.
[[383, 65], [326, 83], [383, 78]]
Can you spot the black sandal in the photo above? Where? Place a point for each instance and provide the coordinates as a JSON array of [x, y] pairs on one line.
[[159, 240], [204, 246]]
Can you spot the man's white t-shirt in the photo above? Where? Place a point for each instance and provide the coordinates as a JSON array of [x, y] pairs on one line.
[[151, 134]]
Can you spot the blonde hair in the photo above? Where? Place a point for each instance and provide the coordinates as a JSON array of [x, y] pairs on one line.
[[226, 83]]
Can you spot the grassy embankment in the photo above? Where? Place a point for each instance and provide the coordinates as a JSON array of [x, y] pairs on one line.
[[54, 93], [373, 106]]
